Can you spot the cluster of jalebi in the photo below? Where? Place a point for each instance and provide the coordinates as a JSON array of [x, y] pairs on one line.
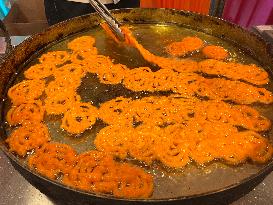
[[27, 110], [215, 52], [91, 171], [171, 110], [177, 145], [51, 88], [235, 71], [192, 84], [174, 130], [189, 45]]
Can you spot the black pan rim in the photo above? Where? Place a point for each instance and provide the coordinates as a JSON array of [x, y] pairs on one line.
[[266, 169]]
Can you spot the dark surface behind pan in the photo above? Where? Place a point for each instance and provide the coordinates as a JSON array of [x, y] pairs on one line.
[[257, 48]]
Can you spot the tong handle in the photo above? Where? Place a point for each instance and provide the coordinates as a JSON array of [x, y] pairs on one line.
[[108, 17]]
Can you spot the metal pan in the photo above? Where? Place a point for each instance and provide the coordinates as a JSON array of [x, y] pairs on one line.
[[215, 183]]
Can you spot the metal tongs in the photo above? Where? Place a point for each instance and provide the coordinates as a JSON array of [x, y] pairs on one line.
[[107, 16]]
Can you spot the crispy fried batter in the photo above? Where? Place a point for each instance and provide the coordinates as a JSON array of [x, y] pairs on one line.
[[54, 58], [235, 71], [249, 73], [97, 171], [26, 91], [26, 113], [53, 159], [174, 130], [59, 104], [187, 45], [39, 71], [175, 145], [79, 117], [28, 137], [82, 44], [174, 109], [215, 52]]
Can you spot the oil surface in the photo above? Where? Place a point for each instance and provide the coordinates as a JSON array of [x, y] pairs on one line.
[[191, 180]]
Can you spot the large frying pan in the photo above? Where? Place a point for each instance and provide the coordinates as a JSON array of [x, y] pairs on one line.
[[218, 185]]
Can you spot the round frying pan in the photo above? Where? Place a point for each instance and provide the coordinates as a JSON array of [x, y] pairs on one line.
[[154, 28]]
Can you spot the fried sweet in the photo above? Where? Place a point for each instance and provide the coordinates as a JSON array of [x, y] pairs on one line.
[[98, 172], [236, 71], [54, 58], [26, 91], [183, 65], [215, 52], [60, 103], [53, 160], [92, 63], [71, 71], [187, 45], [39, 71], [249, 73], [114, 141], [27, 138], [112, 75], [237, 115], [62, 86], [91, 170], [133, 182], [176, 109], [26, 113], [174, 130], [61, 95], [82, 44], [142, 143], [147, 80], [235, 149], [176, 145], [235, 91], [140, 79], [114, 110], [79, 117]]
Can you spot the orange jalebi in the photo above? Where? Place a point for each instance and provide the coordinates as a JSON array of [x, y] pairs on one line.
[[83, 44], [53, 160], [26, 113], [26, 91], [215, 52], [79, 117], [27, 138], [174, 109], [236, 71], [54, 58], [187, 45], [174, 130], [97, 171]]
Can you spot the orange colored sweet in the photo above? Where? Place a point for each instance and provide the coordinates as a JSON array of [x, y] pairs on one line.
[[27, 138], [215, 52], [53, 160], [187, 45], [26, 91], [39, 71], [26, 113], [236, 71], [174, 130], [97, 171], [54, 58], [82, 44], [79, 117]]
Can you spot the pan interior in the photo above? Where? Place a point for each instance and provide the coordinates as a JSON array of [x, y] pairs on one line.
[[191, 180]]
